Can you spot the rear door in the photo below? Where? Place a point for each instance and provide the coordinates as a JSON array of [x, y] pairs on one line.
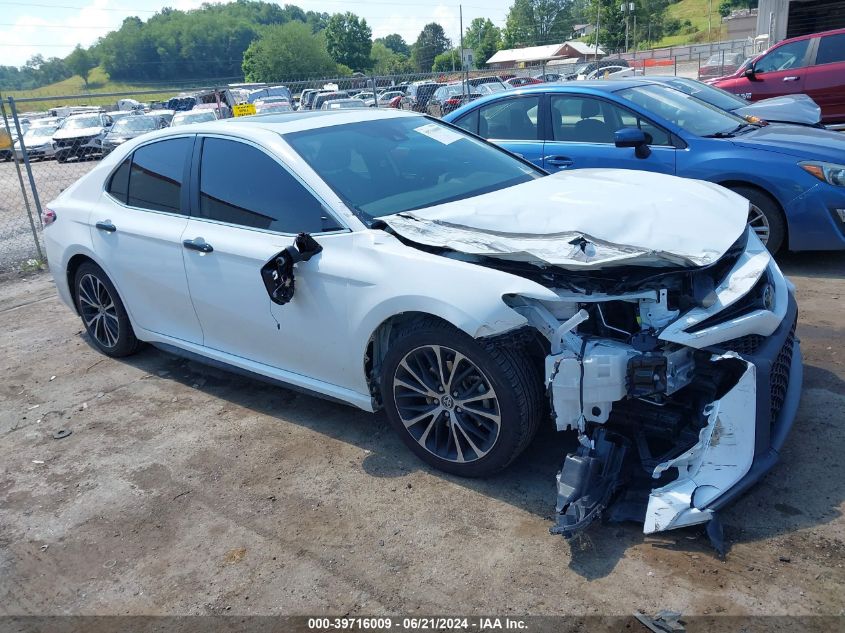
[[825, 79], [781, 71], [137, 232], [513, 123], [582, 130], [247, 208]]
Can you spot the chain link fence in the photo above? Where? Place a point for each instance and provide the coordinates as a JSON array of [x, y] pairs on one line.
[[53, 161]]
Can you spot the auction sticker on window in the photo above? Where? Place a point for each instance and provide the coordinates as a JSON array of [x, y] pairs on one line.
[[439, 133]]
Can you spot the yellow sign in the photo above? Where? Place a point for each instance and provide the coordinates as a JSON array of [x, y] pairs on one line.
[[243, 109]]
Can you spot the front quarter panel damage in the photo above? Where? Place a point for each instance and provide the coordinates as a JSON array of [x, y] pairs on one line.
[[719, 460]]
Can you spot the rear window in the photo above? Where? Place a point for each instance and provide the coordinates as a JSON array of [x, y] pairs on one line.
[[387, 166], [831, 49], [155, 179]]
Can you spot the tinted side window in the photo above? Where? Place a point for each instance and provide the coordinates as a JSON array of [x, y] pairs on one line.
[[587, 120], [240, 184], [831, 49], [784, 57], [119, 183], [155, 180], [512, 119], [469, 122]]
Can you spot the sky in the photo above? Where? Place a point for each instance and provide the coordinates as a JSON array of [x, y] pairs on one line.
[[54, 27]]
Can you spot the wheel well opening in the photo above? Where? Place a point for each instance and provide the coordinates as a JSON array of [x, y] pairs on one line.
[[732, 184], [72, 266], [380, 342]]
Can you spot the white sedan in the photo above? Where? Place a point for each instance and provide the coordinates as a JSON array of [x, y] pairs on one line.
[[388, 260]]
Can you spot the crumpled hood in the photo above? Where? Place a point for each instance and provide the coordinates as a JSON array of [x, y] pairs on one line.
[[77, 132], [589, 218], [787, 109], [805, 143]]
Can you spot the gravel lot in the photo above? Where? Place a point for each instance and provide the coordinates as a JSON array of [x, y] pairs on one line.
[[16, 241], [186, 490]]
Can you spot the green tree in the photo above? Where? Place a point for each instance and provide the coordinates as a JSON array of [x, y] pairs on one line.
[[538, 22], [80, 63], [348, 40], [484, 38], [450, 60], [396, 43], [287, 51], [430, 43], [386, 62]]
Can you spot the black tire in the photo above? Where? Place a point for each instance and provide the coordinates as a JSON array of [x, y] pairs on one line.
[[109, 329], [772, 213], [517, 390], [61, 157]]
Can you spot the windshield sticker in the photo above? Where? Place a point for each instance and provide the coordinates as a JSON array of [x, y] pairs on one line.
[[439, 133]]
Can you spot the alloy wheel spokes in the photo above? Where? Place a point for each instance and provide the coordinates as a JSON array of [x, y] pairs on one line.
[[759, 223], [446, 403], [98, 311]]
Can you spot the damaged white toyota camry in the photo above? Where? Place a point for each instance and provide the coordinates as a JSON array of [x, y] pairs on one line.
[[388, 260]]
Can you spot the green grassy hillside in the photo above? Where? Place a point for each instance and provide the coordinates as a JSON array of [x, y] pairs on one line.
[[696, 12], [98, 83]]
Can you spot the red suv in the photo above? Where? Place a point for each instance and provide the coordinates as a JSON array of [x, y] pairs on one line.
[[811, 64]]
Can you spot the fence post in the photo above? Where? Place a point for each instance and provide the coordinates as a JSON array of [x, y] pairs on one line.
[[20, 180], [675, 65], [32, 186]]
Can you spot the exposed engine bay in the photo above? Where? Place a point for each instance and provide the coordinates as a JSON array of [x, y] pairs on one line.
[[642, 362]]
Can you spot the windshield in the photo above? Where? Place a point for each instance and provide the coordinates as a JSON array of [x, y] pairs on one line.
[[194, 117], [712, 95], [41, 131], [134, 124], [392, 165], [76, 123], [685, 111]]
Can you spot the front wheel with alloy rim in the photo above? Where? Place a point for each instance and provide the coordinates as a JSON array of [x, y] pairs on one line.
[[461, 405], [764, 217], [102, 312]]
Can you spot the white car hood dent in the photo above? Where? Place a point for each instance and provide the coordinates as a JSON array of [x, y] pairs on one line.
[[590, 218]]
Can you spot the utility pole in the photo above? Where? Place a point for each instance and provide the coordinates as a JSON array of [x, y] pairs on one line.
[[598, 25], [709, 20], [464, 78]]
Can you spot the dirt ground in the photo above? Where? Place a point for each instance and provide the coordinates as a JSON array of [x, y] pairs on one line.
[[186, 490]]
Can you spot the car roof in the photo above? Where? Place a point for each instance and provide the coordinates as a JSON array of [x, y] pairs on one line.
[[595, 87], [287, 122]]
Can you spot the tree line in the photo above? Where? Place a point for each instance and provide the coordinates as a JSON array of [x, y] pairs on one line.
[[263, 41]]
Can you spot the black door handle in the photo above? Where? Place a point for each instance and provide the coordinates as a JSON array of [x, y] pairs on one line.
[[197, 244], [106, 226]]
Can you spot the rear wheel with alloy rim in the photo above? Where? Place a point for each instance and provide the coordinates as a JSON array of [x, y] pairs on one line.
[[102, 312], [460, 405]]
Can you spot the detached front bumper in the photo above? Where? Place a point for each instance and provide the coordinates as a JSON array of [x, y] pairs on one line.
[[735, 450]]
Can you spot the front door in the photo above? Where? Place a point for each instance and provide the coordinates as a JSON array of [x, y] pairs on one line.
[[250, 207], [781, 71], [581, 135]]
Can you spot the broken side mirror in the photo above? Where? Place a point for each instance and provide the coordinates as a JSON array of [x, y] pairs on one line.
[[633, 137], [277, 274]]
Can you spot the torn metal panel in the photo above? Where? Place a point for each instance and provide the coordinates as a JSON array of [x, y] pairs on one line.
[[576, 221], [718, 461]]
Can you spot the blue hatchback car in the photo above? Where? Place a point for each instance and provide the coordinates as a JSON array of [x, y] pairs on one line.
[[794, 176]]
